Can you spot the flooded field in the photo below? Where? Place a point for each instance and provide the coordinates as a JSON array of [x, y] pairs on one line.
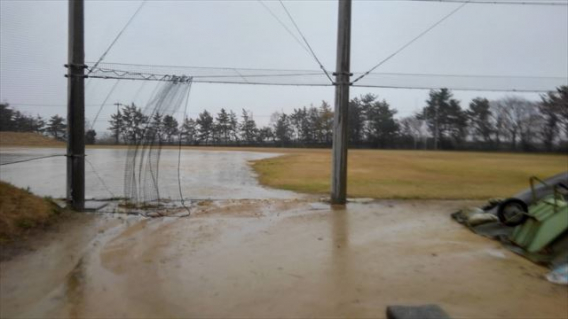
[[252, 252], [204, 174]]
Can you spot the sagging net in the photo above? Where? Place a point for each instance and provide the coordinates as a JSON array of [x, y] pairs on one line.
[[142, 170], [318, 78]]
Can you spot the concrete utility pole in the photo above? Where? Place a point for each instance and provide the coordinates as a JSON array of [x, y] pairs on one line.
[[340, 121], [436, 128], [76, 107], [117, 122]]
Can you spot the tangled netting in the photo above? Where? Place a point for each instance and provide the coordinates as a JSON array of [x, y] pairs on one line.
[[141, 179], [317, 78]]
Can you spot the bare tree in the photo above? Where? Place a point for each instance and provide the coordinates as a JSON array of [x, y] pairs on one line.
[[414, 127], [517, 118]]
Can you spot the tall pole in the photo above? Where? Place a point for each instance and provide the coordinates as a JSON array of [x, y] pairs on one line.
[[76, 107], [117, 122], [436, 127], [340, 120]]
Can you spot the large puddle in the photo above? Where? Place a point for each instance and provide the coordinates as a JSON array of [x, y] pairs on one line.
[[253, 252], [275, 259], [204, 174]]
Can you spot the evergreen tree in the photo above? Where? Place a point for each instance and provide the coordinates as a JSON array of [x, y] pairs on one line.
[[116, 127], [480, 120], [170, 127], [381, 125], [326, 119], [205, 126], [233, 126], [90, 137], [155, 129], [248, 127], [265, 134], [222, 126], [356, 122], [57, 127], [6, 117], [132, 123], [282, 129], [189, 131], [444, 117]]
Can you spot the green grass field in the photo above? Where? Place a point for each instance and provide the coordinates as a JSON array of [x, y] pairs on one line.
[[411, 174]]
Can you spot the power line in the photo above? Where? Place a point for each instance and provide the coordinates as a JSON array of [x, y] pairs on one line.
[[283, 25], [413, 40], [166, 77], [17, 105], [297, 72], [390, 80], [451, 88], [198, 67], [104, 102], [32, 159], [306, 41], [100, 178], [120, 33], [209, 81]]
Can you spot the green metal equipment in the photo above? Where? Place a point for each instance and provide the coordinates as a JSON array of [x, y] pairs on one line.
[[545, 220]]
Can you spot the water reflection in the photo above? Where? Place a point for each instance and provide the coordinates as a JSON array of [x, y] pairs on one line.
[[204, 174], [341, 261]]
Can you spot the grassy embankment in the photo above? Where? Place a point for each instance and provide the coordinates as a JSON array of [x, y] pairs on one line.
[[21, 211], [411, 174], [26, 139]]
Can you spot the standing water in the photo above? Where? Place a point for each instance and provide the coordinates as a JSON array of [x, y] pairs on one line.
[[203, 174]]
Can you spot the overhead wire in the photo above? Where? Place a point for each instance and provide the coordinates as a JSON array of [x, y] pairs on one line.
[[139, 91], [104, 103], [306, 41], [240, 75], [283, 72], [167, 77], [378, 80], [120, 34], [283, 25], [423, 33], [13, 104], [100, 178], [32, 159], [402, 87]]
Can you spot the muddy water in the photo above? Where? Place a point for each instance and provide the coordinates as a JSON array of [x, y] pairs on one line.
[[276, 258], [204, 174]]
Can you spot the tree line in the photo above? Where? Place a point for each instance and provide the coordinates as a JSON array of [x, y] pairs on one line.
[[15, 121], [509, 123]]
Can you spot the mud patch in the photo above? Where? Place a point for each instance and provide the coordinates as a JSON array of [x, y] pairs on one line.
[[280, 258]]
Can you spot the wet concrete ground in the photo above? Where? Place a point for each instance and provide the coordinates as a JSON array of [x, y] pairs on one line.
[[266, 257], [275, 258]]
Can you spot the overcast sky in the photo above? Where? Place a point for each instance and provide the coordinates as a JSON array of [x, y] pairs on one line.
[[480, 39]]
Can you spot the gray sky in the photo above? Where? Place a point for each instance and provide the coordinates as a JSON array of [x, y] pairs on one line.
[[480, 39]]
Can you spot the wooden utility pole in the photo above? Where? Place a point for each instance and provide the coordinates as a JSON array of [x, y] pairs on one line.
[[76, 107], [340, 121]]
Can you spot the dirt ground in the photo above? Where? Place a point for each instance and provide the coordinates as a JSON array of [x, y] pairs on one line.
[[286, 258]]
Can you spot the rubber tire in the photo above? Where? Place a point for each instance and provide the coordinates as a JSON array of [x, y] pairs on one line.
[[501, 212]]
